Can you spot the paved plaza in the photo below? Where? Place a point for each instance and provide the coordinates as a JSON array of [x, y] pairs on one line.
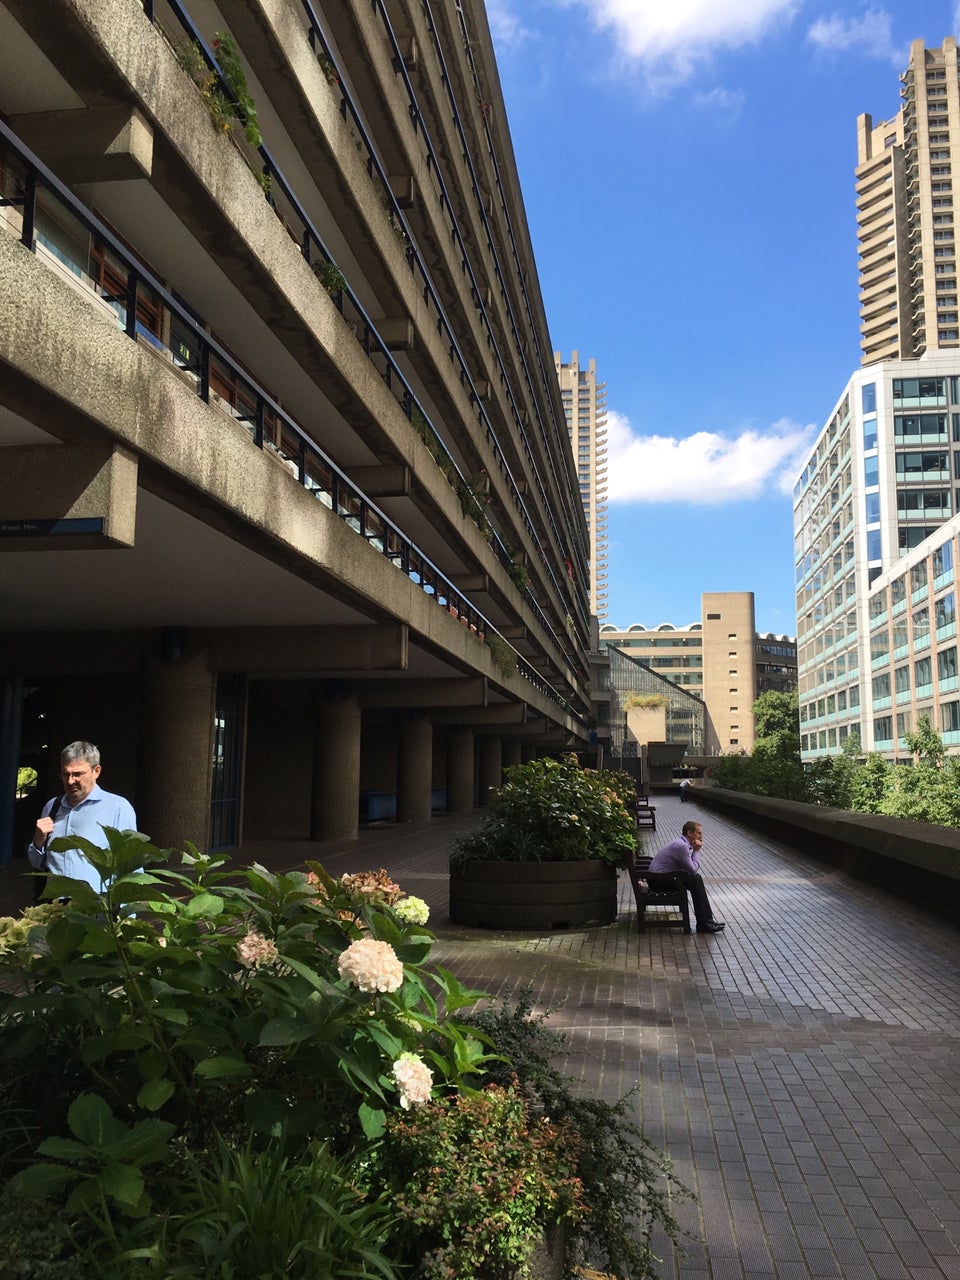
[[801, 1069]]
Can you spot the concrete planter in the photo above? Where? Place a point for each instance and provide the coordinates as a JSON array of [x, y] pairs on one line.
[[533, 895]]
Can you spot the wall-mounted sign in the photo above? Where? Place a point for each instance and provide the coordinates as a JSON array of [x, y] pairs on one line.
[[50, 528]]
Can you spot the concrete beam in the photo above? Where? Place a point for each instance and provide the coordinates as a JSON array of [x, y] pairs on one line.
[[302, 650], [471, 583], [519, 632], [67, 497], [397, 332], [466, 691], [101, 144], [381, 482], [511, 713]]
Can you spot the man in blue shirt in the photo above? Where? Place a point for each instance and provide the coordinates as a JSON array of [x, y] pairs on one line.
[[83, 810], [680, 860]]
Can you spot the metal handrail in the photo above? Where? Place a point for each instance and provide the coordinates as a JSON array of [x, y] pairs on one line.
[[311, 237], [316, 471]]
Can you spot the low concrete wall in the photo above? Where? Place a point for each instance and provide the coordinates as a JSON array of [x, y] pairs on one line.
[[918, 861]]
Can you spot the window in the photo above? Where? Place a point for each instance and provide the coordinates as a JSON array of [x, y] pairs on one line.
[[945, 612], [923, 676], [950, 717], [868, 394], [883, 729], [947, 664], [901, 679], [918, 574], [943, 559], [881, 686]]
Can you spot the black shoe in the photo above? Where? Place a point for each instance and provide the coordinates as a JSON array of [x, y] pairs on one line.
[[712, 926]]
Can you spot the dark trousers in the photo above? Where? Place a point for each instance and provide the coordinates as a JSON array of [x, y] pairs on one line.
[[694, 886]]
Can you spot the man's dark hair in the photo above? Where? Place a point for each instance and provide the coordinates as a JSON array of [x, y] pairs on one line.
[[689, 826]]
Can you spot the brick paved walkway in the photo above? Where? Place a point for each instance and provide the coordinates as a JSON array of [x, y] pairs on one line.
[[802, 1069]]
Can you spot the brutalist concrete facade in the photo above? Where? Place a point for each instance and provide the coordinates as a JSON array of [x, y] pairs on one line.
[[289, 523]]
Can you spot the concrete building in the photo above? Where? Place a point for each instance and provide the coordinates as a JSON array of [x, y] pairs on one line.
[[875, 506], [289, 523], [876, 499], [905, 213], [721, 659], [585, 409]]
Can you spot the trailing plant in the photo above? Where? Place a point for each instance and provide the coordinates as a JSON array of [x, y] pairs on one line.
[[504, 657], [519, 573], [243, 106], [646, 701], [224, 110], [555, 811], [627, 1185], [329, 275]]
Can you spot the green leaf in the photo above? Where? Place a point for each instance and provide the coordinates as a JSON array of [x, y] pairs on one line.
[[123, 1182], [372, 1120], [222, 1067], [64, 1149], [92, 1121], [267, 1111], [42, 1180], [204, 904], [281, 1031], [154, 1094]]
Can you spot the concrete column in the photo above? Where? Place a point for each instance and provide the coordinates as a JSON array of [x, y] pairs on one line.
[[415, 769], [512, 754], [335, 812], [176, 750], [491, 765], [460, 753]]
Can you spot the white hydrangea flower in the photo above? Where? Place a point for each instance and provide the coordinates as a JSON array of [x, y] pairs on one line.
[[371, 966], [413, 910], [414, 1080]]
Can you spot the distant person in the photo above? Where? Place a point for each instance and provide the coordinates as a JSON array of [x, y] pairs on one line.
[[680, 860], [82, 810], [685, 785]]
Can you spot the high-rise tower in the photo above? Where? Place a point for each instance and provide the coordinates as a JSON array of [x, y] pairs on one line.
[[875, 507], [905, 213], [585, 408]]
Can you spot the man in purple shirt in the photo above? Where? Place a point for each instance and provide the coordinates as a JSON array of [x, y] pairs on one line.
[[680, 860]]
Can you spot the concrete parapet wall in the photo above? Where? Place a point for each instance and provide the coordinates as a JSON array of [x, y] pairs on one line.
[[917, 860]]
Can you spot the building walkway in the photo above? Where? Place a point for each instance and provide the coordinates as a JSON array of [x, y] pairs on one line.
[[802, 1068]]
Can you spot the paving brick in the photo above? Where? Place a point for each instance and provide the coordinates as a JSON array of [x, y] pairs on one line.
[[800, 1067]]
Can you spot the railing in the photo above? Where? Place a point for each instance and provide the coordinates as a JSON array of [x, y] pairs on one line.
[[317, 473], [310, 242]]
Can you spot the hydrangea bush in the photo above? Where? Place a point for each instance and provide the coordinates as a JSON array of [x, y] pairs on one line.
[[192, 1012], [556, 811]]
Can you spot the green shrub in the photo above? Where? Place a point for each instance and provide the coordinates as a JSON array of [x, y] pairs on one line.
[[555, 811], [627, 1186]]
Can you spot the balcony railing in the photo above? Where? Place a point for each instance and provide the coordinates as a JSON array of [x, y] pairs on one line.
[[315, 471]]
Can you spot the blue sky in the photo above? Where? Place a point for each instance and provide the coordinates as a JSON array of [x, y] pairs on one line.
[[687, 169]]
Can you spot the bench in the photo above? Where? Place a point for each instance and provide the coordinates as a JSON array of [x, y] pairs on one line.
[[645, 813], [646, 897]]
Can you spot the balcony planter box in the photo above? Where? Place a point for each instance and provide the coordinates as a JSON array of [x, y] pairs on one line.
[[533, 895]]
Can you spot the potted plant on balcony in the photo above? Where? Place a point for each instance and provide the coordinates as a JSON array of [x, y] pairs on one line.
[[548, 852]]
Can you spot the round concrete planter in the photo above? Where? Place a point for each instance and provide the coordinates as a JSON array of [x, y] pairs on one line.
[[533, 895]]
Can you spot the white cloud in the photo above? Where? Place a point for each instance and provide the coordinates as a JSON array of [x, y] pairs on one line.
[[724, 105], [670, 39], [506, 26], [871, 34], [706, 468]]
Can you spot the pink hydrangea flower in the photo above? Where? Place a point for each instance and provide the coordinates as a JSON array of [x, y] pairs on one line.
[[371, 966], [254, 951]]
